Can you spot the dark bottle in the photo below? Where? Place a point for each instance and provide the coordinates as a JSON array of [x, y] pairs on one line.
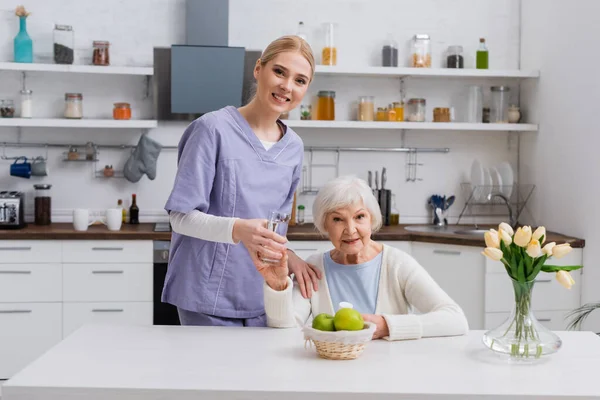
[[134, 211]]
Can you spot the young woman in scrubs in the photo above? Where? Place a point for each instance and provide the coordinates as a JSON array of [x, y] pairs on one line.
[[235, 166]]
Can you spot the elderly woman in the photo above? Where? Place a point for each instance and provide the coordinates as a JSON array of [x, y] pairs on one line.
[[383, 283]]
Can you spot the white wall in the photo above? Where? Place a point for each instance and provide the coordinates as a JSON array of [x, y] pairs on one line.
[[136, 26], [559, 38]]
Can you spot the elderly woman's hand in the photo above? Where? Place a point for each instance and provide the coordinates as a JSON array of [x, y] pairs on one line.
[[382, 329], [307, 275], [274, 274]]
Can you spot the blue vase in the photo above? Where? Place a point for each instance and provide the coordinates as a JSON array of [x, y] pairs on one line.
[[23, 43]]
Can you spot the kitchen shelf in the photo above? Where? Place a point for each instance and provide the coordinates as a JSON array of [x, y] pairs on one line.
[[77, 123], [84, 69], [397, 72], [430, 126]]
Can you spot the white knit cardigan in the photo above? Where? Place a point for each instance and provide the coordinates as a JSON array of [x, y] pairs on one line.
[[403, 285]]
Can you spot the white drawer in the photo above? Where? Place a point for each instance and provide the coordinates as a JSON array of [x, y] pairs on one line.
[[21, 283], [30, 251], [401, 245], [553, 320], [547, 293], [75, 315], [107, 251], [27, 331], [107, 282], [306, 248]]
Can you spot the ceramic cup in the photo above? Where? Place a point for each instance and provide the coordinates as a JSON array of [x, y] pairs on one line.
[[113, 219], [21, 169], [39, 167]]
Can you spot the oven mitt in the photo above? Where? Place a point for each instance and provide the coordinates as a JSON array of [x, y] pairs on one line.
[[142, 160]]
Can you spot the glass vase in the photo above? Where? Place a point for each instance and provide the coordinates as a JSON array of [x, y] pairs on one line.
[[23, 45], [521, 337]]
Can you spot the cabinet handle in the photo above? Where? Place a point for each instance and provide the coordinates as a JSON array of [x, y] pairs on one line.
[[15, 311], [447, 252], [107, 248], [107, 272], [107, 310], [16, 248], [543, 280], [545, 320], [15, 272]]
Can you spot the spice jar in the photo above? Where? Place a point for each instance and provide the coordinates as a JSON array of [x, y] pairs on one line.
[[73, 105], [391, 113], [109, 171], [485, 118], [305, 112], [441, 114], [43, 204], [73, 154], [366, 108], [415, 110], [326, 105], [399, 108], [7, 109], [421, 51], [455, 58], [329, 52], [26, 104], [121, 111], [300, 214], [514, 114], [389, 54], [499, 105], [381, 114], [101, 55], [64, 43]]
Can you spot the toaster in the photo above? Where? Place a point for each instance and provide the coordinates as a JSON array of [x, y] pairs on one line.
[[12, 210]]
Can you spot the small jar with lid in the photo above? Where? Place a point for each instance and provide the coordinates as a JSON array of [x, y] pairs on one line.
[[300, 214], [454, 58], [121, 111], [389, 53], [326, 105], [499, 105], [26, 104], [64, 43], [7, 109], [381, 114], [43, 204], [399, 108], [415, 110], [391, 113], [366, 108], [421, 51], [329, 52], [101, 55], [73, 105]]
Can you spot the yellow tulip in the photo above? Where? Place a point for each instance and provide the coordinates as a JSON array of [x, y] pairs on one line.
[[565, 279], [533, 249], [539, 232], [506, 238], [523, 236], [492, 239], [561, 250], [506, 228], [547, 250], [493, 253]]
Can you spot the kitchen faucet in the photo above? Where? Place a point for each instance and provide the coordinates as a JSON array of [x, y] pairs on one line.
[[513, 223]]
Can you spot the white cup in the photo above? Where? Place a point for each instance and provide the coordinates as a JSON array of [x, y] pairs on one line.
[[113, 219], [81, 219]]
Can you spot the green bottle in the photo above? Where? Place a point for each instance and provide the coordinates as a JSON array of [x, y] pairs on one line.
[[482, 61]]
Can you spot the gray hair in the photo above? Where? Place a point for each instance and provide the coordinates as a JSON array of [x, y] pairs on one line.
[[342, 192]]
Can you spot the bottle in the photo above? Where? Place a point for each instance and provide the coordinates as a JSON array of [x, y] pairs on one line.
[[482, 58], [123, 212], [300, 214], [394, 213], [134, 211], [301, 32]]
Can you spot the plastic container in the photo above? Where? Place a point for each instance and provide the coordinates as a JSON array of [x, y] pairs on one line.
[[415, 110], [64, 43], [421, 51], [326, 105], [73, 105], [329, 52], [42, 204], [499, 105], [366, 108]]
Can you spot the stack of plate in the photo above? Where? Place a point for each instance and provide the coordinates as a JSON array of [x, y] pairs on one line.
[[486, 181]]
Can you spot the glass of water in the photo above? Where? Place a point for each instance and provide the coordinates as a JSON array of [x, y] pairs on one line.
[[276, 218]]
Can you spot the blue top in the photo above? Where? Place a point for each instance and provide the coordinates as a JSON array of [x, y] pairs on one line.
[[357, 284], [223, 169]]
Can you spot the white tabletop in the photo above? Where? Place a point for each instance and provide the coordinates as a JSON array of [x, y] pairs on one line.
[[108, 362]]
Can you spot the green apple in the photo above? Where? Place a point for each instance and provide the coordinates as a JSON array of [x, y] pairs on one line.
[[348, 319], [323, 322]]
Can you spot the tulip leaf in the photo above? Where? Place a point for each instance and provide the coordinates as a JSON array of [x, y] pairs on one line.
[[556, 268], [521, 271], [528, 264], [539, 263]]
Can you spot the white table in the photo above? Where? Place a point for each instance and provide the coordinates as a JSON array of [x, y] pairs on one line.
[[152, 363]]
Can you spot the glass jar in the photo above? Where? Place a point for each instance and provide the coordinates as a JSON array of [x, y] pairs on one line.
[[326, 105], [441, 114], [499, 105], [389, 53], [64, 43], [421, 51], [399, 108], [121, 111], [43, 204], [366, 108], [73, 105], [300, 214], [329, 52], [415, 110], [101, 54], [455, 57], [90, 151], [394, 213], [306, 112], [391, 113], [381, 114], [7, 109], [26, 104]]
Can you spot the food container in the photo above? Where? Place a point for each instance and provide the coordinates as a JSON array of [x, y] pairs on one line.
[[101, 55], [381, 114], [454, 58], [399, 108], [73, 105], [326, 105], [415, 110], [42, 204], [26, 104], [64, 43], [441, 114], [421, 51], [121, 111], [340, 345], [329, 52], [389, 54], [366, 108], [499, 105], [7, 109]]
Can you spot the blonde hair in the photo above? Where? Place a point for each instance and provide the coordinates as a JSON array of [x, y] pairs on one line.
[[289, 43]]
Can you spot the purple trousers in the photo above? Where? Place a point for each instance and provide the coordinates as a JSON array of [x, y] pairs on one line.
[[198, 319]]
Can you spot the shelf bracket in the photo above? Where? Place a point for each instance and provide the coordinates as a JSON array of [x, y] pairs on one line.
[[147, 87]]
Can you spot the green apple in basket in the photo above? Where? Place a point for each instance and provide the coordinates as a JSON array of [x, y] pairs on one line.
[[323, 322], [348, 319]]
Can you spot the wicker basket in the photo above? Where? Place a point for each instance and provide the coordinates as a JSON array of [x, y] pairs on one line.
[[340, 345]]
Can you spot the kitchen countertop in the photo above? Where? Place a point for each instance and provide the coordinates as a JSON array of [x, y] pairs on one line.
[[183, 363], [145, 231]]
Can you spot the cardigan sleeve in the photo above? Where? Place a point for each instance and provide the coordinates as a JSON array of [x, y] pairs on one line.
[[440, 315]]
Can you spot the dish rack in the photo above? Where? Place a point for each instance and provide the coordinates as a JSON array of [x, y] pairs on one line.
[[479, 204]]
